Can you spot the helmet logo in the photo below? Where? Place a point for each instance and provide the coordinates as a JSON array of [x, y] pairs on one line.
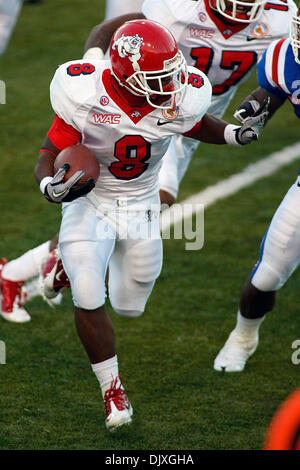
[[129, 46]]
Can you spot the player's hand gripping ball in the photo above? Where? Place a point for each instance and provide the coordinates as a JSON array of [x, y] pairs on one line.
[[76, 172], [79, 157]]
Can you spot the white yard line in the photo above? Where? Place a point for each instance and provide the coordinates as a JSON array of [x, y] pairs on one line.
[[265, 167]]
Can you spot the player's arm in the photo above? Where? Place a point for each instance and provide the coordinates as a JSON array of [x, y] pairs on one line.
[[102, 33], [45, 164], [252, 102], [53, 186], [268, 88], [213, 130]]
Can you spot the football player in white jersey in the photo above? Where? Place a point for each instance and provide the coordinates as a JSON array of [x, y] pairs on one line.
[[222, 38], [279, 78], [126, 111]]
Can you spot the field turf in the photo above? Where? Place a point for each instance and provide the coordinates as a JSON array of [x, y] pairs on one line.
[[49, 397]]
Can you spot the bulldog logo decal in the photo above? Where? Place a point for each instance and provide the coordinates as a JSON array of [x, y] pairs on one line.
[[129, 46]]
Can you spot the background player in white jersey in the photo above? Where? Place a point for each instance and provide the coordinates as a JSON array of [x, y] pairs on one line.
[[117, 223], [279, 78], [223, 39], [26, 267], [9, 11]]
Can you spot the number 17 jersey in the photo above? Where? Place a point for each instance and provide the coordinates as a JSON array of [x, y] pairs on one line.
[[226, 53]]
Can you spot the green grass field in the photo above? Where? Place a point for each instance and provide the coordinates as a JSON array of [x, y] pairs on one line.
[[49, 397]]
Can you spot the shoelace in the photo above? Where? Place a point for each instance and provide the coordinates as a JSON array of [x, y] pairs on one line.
[[117, 394]]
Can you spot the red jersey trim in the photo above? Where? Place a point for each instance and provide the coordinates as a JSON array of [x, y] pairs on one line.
[[275, 62], [229, 28], [63, 135], [134, 113], [194, 131]]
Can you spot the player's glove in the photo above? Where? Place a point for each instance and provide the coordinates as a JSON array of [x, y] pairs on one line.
[[247, 109], [57, 190], [250, 129]]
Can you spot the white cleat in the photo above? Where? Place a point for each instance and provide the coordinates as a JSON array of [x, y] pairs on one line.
[[17, 315], [56, 300], [235, 353], [118, 418], [118, 407]]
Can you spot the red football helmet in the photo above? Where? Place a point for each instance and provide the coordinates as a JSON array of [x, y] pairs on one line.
[[295, 35], [239, 10], [145, 60]]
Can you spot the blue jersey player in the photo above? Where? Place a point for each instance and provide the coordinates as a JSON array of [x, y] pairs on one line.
[[278, 73], [279, 78]]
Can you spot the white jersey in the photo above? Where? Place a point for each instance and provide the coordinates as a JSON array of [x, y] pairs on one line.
[[225, 53], [120, 7], [128, 142]]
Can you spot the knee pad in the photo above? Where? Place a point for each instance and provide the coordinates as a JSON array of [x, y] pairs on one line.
[[132, 275], [128, 313], [129, 299], [88, 289], [145, 260], [266, 278], [280, 248]]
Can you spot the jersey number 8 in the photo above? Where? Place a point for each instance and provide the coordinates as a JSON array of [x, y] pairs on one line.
[[80, 69], [132, 152]]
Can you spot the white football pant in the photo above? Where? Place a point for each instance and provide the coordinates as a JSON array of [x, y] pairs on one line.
[[280, 247], [124, 236]]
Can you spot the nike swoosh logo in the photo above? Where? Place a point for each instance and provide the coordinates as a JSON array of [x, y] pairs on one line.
[[58, 275], [162, 123], [251, 38], [58, 194]]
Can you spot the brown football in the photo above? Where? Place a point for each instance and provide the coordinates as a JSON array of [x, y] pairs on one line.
[[79, 157]]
